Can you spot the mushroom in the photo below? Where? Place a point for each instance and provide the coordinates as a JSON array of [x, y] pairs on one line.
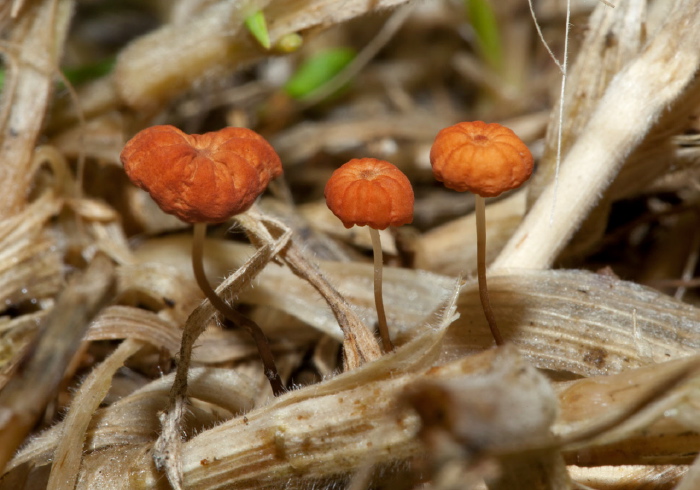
[[367, 191], [205, 179], [486, 159]]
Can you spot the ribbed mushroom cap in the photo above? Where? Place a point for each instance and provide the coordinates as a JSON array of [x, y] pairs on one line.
[[367, 191], [201, 178], [486, 159]]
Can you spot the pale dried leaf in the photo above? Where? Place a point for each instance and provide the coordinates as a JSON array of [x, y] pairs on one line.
[[645, 88], [124, 322], [641, 477], [577, 322], [68, 454]]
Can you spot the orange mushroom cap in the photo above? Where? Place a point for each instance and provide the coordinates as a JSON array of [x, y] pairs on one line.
[[201, 178], [367, 191], [486, 159]]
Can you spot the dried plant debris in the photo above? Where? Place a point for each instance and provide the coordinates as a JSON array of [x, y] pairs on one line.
[[116, 372]]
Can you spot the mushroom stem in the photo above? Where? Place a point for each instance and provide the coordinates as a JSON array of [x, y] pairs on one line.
[[481, 267], [200, 230], [378, 298]]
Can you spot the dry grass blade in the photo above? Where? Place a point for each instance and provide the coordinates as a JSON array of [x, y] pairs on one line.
[[335, 419], [305, 140], [655, 477], [18, 335], [25, 396], [578, 322], [33, 48], [124, 322], [68, 455], [692, 479], [641, 416], [645, 88], [359, 344], [30, 265], [613, 38]]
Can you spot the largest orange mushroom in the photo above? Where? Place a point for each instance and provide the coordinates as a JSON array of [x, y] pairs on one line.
[[486, 159], [206, 178]]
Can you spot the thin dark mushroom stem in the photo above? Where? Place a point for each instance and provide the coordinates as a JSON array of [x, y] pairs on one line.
[[200, 230], [481, 268], [378, 298]]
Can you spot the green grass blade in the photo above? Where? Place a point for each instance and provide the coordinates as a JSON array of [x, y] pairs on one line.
[[257, 26], [483, 20], [318, 70]]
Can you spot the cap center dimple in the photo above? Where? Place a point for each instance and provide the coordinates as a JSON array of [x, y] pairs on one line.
[[480, 138], [367, 174]]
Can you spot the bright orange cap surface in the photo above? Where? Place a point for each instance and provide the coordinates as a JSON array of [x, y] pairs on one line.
[[367, 191], [201, 178], [486, 159]]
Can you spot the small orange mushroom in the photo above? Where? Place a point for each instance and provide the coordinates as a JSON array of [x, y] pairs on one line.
[[486, 159], [367, 191], [204, 179]]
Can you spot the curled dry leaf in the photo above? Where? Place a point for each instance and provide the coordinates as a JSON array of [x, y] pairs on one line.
[[125, 322]]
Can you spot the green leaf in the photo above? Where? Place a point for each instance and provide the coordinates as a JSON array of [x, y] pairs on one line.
[[317, 71], [483, 20], [87, 72], [289, 43], [258, 28]]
